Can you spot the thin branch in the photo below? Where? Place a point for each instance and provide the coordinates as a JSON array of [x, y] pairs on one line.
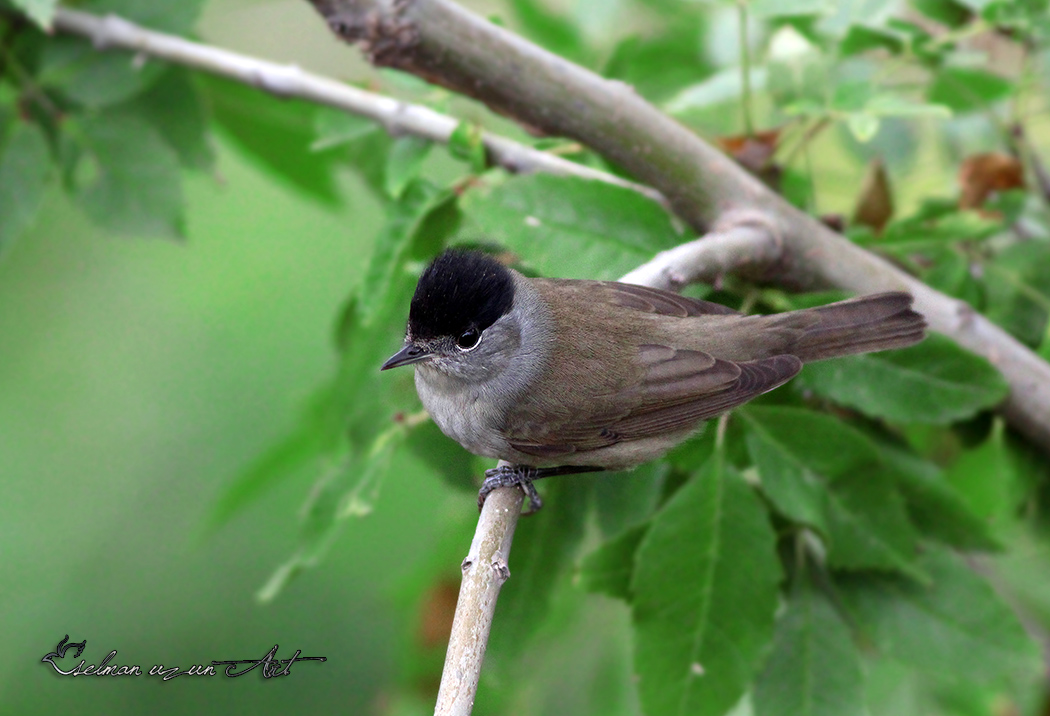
[[446, 44], [289, 81], [485, 569], [740, 247]]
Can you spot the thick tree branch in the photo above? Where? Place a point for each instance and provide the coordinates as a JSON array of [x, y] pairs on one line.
[[395, 116], [443, 43]]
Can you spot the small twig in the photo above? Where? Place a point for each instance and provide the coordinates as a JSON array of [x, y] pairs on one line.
[[286, 81], [746, 242], [485, 569]]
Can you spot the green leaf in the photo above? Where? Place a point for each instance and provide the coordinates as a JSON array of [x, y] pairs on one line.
[[571, 227], [935, 507], [444, 456], [92, 78], [958, 626], [404, 162], [465, 143], [276, 135], [625, 499], [334, 127], [39, 11], [609, 569], [947, 12], [705, 586], [798, 452], [820, 472], [861, 38], [128, 179], [868, 527], [987, 479], [25, 167], [814, 668], [174, 16], [549, 30], [544, 546], [173, 106], [934, 382], [966, 90], [658, 65], [1017, 289], [863, 125], [406, 221]]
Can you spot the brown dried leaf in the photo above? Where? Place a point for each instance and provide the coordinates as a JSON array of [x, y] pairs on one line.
[[983, 174], [875, 202]]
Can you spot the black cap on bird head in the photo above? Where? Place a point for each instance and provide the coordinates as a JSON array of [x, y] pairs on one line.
[[458, 291]]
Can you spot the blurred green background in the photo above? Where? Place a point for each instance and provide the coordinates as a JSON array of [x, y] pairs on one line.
[[138, 377]]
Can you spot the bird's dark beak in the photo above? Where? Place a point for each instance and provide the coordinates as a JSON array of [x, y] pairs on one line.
[[411, 353]]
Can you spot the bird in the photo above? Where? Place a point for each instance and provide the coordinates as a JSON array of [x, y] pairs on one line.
[[558, 376]]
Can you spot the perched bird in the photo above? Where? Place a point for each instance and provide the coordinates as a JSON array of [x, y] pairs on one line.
[[558, 376]]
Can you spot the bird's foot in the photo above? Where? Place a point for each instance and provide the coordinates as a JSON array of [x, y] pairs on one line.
[[510, 476], [523, 476]]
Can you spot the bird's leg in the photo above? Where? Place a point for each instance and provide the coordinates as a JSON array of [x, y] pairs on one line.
[[523, 476]]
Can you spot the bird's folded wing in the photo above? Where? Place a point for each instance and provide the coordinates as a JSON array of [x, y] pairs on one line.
[[650, 300], [678, 390]]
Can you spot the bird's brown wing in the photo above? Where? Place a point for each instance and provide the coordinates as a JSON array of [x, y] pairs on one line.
[[678, 389], [652, 300]]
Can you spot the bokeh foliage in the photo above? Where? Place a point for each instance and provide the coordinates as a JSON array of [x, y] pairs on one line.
[[869, 539]]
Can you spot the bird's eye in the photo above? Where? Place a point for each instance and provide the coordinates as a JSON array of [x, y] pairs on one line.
[[468, 339]]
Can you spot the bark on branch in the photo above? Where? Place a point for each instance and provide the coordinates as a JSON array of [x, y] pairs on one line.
[[445, 44]]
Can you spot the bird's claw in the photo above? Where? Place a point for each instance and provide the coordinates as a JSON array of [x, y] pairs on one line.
[[511, 476]]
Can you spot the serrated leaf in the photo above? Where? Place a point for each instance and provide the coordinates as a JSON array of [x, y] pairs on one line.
[[25, 167], [861, 38], [544, 545], [571, 227], [965, 90], [986, 478], [660, 64], [957, 626], [705, 586], [39, 11], [935, 507], [173, 106], [276, 135], [334, 127], [814, 668], [465, 143], [419, 201], [934, 382], [868, 527], [863, 125], [1017, 289], [129, 178], [625, 499], [608, 569], [947, 12], [91, 78], [404, 162], [798, 452], [444, 456], [174, 16], [549, 30]]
